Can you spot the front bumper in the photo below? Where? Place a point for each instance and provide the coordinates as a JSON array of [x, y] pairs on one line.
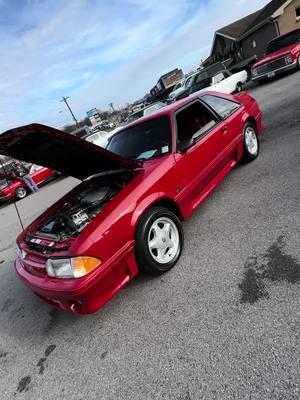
[[275, 72], [83, 295]]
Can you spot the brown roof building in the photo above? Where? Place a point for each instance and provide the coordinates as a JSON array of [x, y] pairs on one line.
[[240, 43]]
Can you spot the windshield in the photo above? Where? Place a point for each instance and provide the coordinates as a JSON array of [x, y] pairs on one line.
[[283, 41], [177, 86], [143, 141]]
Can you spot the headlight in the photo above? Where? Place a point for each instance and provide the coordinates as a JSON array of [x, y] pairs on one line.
[[74, 267], [21, 253], [288, 59], [254, 72]]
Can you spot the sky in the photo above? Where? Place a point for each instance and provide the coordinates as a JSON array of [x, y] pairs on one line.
[[99, 51]]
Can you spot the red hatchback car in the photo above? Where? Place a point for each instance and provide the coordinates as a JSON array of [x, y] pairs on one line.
[[126, 215], [11, 188], [283, 54]]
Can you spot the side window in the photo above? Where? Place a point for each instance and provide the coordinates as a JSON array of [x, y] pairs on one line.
[[192, 123], [218, 78], [223, 107]]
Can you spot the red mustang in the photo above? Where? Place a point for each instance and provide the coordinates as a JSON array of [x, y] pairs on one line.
[[126, 215], [283, 54], [11, 187]]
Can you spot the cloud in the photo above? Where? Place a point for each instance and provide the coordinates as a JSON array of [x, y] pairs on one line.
[[98, 51]]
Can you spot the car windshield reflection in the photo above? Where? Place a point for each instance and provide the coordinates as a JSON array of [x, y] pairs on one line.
[[143, 141]]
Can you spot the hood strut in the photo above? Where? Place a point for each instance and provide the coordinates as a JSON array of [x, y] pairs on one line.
[[15, 204]]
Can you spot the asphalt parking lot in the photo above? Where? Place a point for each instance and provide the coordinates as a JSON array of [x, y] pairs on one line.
[[223, 324]]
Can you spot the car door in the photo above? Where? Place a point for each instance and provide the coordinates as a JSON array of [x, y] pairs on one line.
[[230, 112], [224, 83], [39, 174], [201, 140]]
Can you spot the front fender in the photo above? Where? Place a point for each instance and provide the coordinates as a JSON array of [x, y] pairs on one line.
[[141, 207]]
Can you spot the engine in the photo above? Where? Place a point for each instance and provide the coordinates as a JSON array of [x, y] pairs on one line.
[[75, 214]]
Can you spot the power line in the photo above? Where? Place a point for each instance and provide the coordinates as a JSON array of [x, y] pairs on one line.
[[65, 100]]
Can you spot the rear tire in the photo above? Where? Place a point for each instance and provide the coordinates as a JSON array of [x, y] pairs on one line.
[[250, 142], [158, 240], [20, 193], [239, 88]]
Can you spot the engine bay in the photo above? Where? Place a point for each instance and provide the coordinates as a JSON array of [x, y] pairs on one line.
[[74, 215]]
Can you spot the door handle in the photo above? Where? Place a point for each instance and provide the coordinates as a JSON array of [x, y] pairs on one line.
[[224, 130]]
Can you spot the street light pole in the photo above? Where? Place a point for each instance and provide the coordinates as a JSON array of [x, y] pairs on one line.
[[65, 100]]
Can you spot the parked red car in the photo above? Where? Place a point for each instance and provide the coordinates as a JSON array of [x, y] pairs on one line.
[[126, 215], [283, 54], [11, 187]]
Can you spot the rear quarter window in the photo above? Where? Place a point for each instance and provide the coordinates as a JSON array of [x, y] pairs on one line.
[[221, 106]]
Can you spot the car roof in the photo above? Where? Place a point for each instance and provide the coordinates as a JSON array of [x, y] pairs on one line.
[[171, 108]]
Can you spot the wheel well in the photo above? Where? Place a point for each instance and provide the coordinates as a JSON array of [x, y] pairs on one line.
[[252, 120], [170, 204]]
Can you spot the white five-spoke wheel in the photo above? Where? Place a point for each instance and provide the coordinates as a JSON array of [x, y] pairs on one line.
[[251, 140], [158, 240], [20, 192], [163, 240], [251, 143]]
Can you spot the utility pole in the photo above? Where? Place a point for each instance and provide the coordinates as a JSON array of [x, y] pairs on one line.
[[111, 105], [65, 100]]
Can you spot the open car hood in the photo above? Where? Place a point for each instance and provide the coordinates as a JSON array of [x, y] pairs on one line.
[[63, 152]]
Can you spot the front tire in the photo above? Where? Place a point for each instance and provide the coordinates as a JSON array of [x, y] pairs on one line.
[[158, 240], [250, 143], [20, 193]]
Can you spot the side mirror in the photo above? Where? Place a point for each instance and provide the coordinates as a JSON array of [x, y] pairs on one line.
[[184, 145]]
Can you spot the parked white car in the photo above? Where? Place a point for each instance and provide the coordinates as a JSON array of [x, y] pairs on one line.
[[146, 111], [223, 82], [99, 138]]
